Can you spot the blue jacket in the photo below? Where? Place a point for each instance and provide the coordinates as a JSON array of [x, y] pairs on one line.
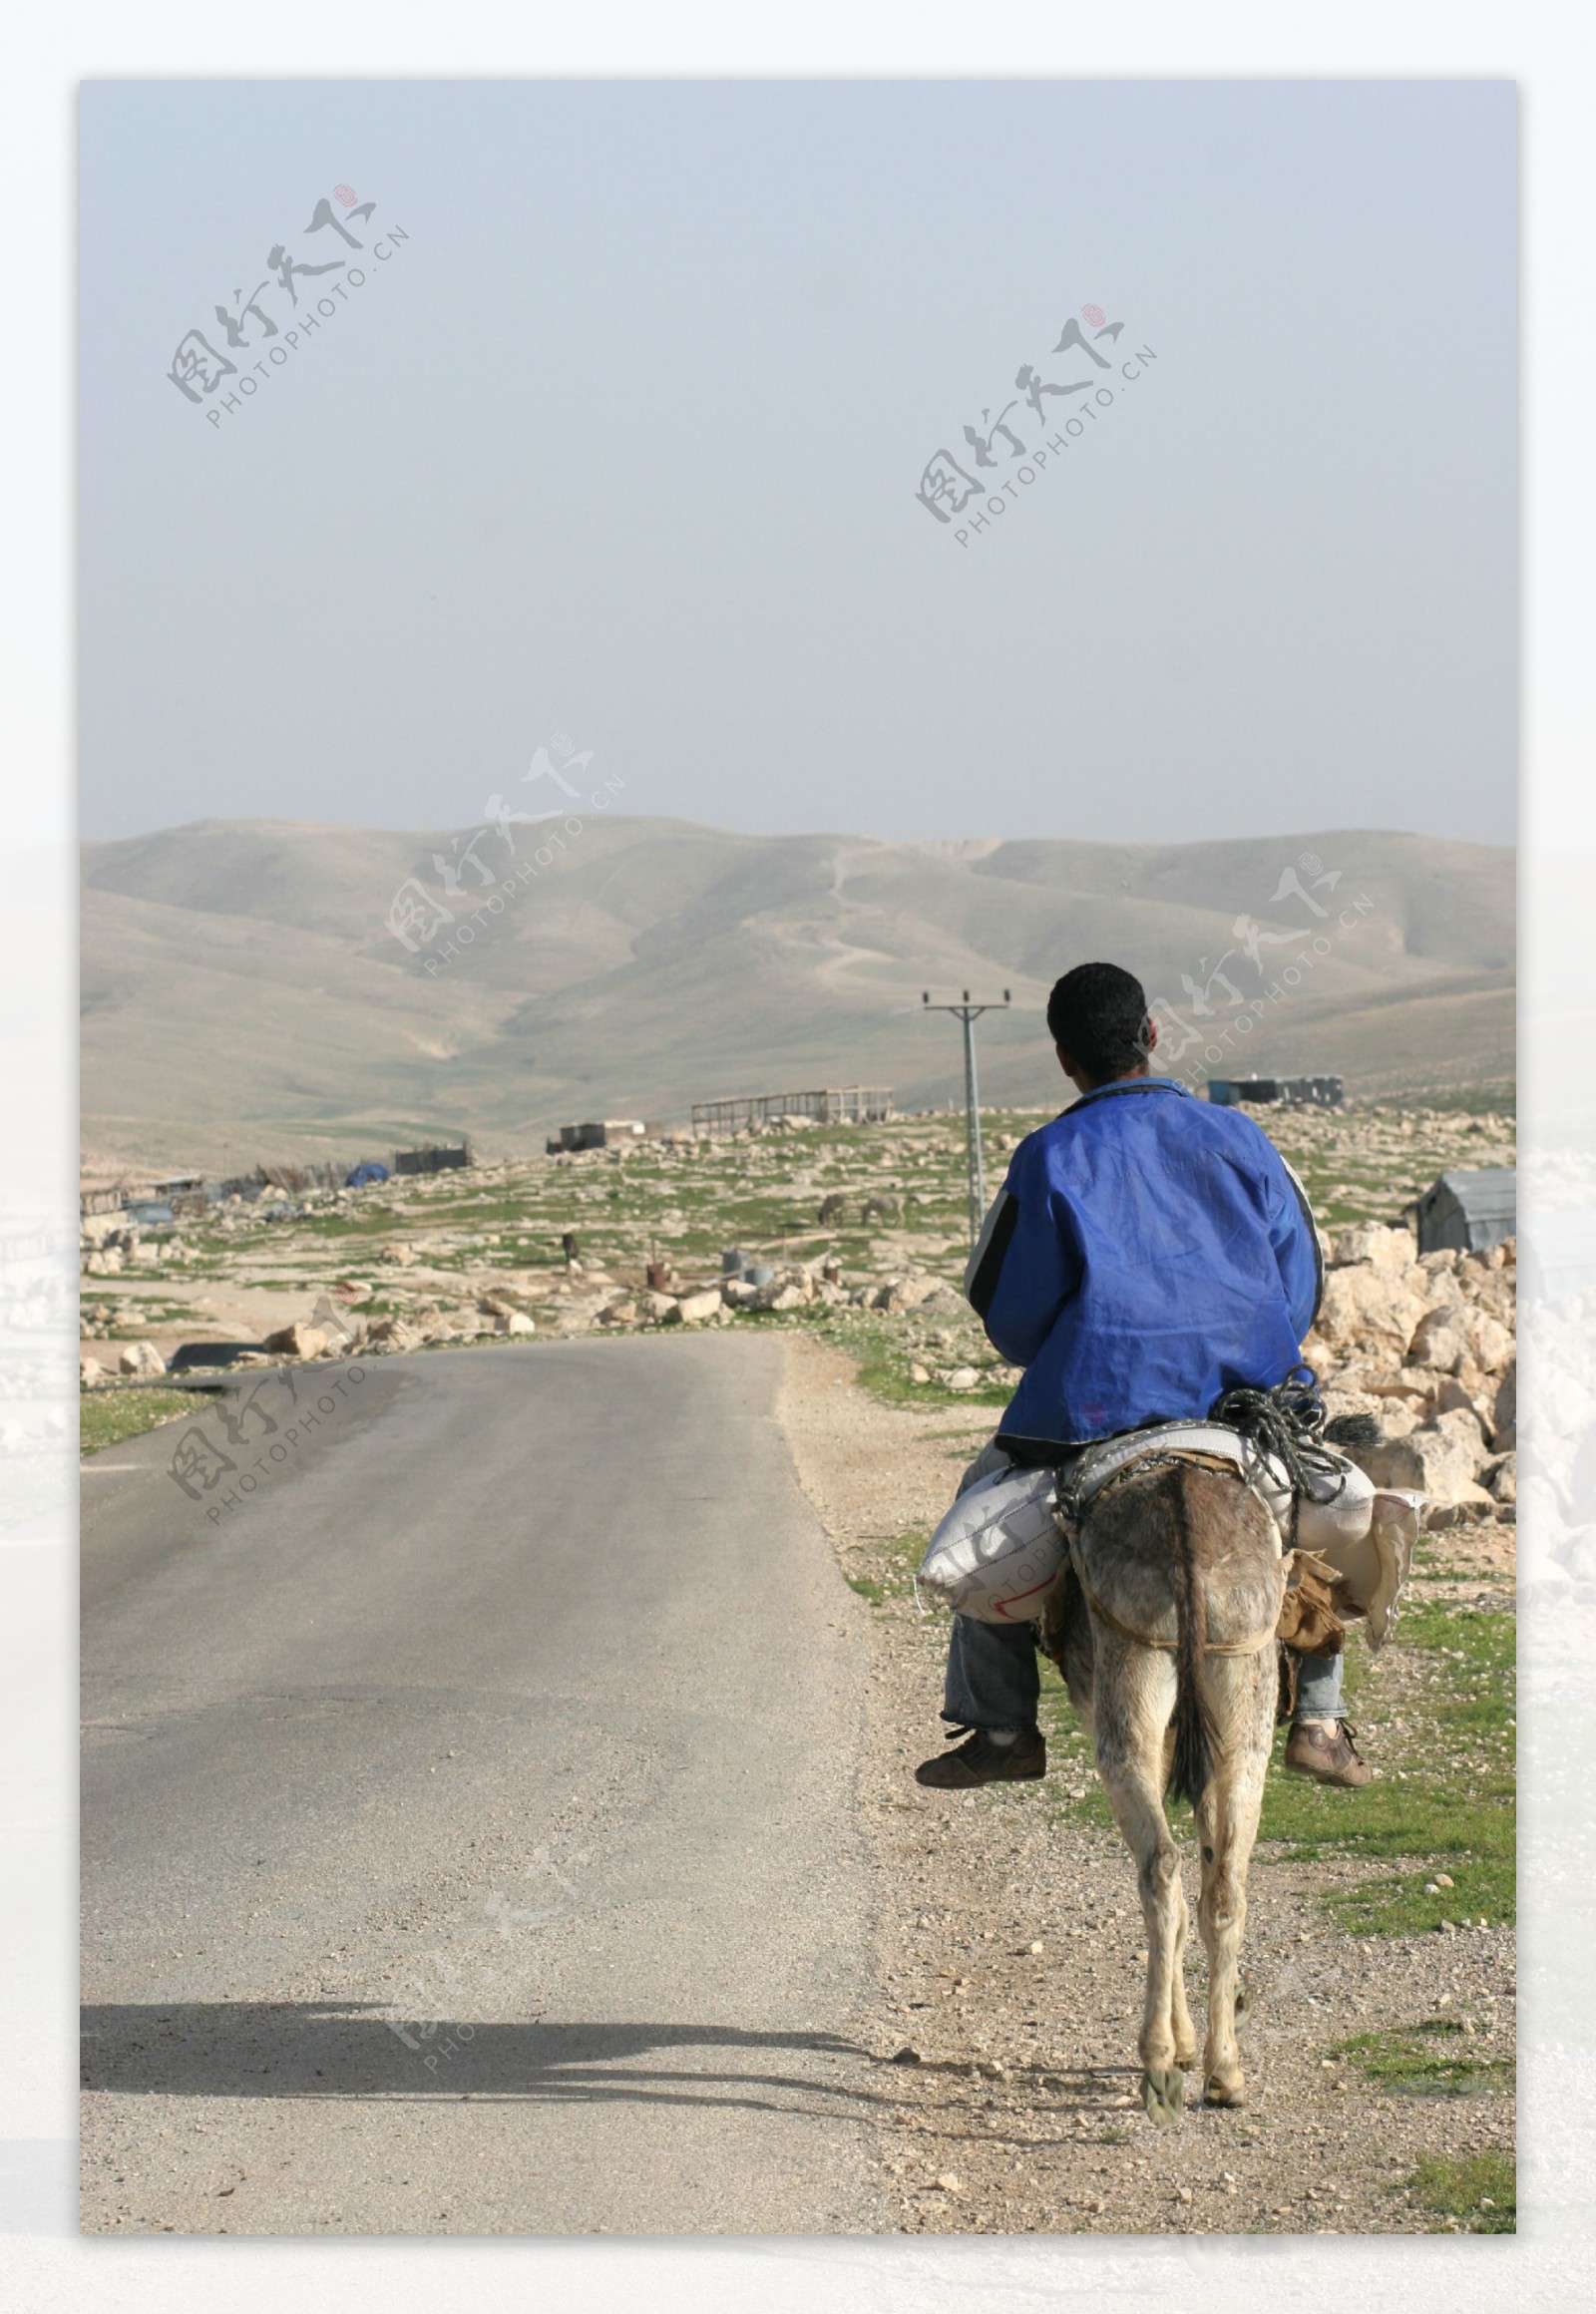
[[1146, 1252]]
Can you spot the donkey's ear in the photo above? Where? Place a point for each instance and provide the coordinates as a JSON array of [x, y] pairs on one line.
[[1354, 1430]]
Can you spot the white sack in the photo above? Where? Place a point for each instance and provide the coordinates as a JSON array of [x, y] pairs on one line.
[[997, 1553], [1326, 1518]]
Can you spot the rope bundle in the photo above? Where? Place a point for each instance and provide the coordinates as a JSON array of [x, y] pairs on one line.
[[1287, 1425]]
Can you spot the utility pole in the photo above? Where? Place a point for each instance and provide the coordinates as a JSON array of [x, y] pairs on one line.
[[970, 1013]]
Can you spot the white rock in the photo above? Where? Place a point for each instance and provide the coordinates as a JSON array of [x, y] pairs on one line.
[[1501, 1479], [696, 1308], [962, 1377], [1489, 1341], [141, 1357], [1369, 1242], [910, 1292], [1464, 1424], [1364, 1311], [1440, 1343], [1433, 1462]]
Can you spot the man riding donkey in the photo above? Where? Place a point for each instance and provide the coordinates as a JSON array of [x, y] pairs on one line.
[[1148, 1254]]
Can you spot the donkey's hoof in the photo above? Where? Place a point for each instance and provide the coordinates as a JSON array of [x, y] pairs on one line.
[[1163, 2094], [1225, 2089]]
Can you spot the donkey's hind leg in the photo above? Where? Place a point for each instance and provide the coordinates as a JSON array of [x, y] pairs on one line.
[[1241, 1690], [1180, 2013], [1135, 1695]]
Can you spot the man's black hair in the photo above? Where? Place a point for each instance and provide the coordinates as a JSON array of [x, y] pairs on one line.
[[1098, 1015]]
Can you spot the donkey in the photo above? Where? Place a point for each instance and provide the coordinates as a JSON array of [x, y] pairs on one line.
[[1163, 1622]]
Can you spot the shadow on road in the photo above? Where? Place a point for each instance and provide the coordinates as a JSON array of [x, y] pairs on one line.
[[289, 2048]]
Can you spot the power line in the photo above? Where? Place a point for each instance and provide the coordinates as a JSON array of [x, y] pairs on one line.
[[970, 1013]]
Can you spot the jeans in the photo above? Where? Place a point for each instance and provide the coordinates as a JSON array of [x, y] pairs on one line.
[[994, 1680]]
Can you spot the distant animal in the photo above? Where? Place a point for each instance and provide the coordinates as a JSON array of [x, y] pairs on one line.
[[832, 1208], [1163, 1625], [884, 1208]]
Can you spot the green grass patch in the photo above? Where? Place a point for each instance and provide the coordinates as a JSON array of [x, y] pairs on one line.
[[1429, 2060], [135, 1319], [1404, 1904], [107, 1417], [883, 1372], [874, 1592], [1482, 2190], [885, 1375], [1436, 1708]]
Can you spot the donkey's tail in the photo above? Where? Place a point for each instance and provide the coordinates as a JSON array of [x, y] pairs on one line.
[[1193, 1761]]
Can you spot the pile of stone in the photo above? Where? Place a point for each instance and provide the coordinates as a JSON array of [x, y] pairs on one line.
[[1427, 1345], [793, 1287], [134, 1362]]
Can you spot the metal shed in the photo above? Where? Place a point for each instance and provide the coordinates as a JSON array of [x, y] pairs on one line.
[[1469, 1210], [1319, 1092]]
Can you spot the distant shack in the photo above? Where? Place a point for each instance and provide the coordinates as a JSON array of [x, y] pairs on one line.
[[845, 1106], [599, 1133], [1319, 1092], [437, 1160], [1468, 1211]]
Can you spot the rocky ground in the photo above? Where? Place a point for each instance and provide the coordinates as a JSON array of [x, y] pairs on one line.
[[857, 1224]]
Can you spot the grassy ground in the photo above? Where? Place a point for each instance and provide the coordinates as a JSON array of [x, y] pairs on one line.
[[108, 1417], [1430, 2060], [1438, 1709], [1482, 2192]]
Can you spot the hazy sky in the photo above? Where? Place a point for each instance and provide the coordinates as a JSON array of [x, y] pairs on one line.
[[624, 442]]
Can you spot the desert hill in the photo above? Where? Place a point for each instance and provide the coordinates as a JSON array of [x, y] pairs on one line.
[[244, 996]]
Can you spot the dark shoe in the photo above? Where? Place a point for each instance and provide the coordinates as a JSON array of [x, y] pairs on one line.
[[980, 1761], [1328, 1753]]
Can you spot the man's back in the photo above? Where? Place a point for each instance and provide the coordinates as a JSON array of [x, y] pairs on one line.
[[1147, 1252]]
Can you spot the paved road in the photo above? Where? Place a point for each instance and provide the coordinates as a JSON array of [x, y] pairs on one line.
[[466, 1832]]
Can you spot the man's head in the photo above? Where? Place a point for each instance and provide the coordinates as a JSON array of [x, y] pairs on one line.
[[1097, 1019]]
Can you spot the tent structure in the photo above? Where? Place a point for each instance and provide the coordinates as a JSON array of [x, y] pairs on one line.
[[1468, 1211]]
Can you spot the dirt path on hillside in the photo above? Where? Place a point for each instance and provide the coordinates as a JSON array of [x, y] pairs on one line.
[[1010, 1952]]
